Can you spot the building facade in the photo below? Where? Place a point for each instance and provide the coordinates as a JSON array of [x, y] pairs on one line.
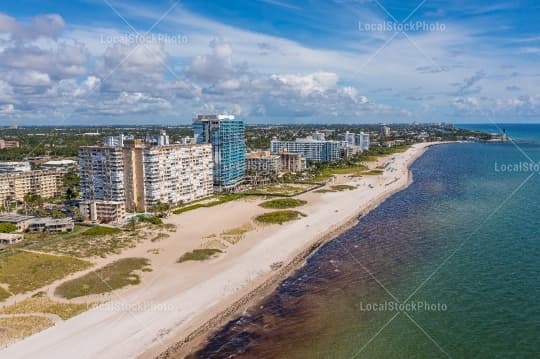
[[103, 211], [226, 134], [45, 183], [101, 169], [292, 162], [141, 175], [5, 144], [177, 173], [262, 163], [311, 149], [356, 142], [9, 167]]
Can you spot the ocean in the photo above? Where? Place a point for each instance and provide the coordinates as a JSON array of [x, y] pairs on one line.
[[447, 268]]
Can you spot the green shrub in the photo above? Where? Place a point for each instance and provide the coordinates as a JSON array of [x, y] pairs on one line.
[[279, 217], [101, 231], [7, 227], [282, 203], [198, 255]]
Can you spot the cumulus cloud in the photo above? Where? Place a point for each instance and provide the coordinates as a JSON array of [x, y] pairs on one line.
[[48, 26], [214, 66]]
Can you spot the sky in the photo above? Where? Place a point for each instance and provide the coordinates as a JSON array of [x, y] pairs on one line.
[[103, 62]]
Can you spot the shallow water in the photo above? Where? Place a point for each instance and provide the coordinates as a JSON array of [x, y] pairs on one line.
[[463, 239]]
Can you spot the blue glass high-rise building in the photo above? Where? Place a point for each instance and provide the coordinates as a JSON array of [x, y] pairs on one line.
[[226, 134]]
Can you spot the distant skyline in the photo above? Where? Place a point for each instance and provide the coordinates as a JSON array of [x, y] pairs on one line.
[[269, 61]]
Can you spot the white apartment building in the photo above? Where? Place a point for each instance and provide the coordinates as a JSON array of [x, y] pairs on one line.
[[360, 140], [141, 175], [102, 173], [312, 149], [177, 173]]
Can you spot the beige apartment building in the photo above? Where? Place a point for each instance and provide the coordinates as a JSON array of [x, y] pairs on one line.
[[103, 211], [292, 162], [46, 183]]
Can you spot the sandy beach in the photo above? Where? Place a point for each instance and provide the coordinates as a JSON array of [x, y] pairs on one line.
[[178, 304]]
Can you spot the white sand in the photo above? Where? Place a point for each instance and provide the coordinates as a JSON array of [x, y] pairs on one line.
[[174, 299]]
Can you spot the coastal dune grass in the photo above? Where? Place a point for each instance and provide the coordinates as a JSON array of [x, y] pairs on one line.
[[4, 294], [101, 231], [199, 255], [26, 271], [113, 276], [282, 203], [42, 304], [17, 328], [217, 200], [86, 242], [336, 188], [279, 217]]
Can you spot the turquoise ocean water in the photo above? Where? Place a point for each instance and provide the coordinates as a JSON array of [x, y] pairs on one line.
[[447, 268]]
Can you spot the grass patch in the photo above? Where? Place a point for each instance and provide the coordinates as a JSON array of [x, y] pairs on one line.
[[213, 244], [4, 294], [7, 227], [16, 328], [83, 246], [217, 200], [285, 189], [238, 231], [235, 235], [374, 172], [148, 219], [282, 203], [199, 255], [336, 188], [279, 217], [101, 231], [45, 305], [113, 276], [25, 271], [342, 187]]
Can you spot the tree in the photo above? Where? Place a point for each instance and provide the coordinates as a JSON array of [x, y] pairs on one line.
[[162, 209], [33, 200], [7, 227], [70, 182]]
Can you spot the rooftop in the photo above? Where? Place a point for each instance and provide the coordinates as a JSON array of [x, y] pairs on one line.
[[14, 218]]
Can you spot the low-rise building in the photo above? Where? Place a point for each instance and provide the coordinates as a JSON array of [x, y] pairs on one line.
[[112, 212], [262, 163], [7, 239], [51, 225], [19, 221], [5, 144]]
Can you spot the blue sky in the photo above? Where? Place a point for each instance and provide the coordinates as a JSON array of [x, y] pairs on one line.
[[269, 61]]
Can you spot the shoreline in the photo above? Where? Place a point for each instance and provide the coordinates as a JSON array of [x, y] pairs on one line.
[[177, 306], [195, 339]]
